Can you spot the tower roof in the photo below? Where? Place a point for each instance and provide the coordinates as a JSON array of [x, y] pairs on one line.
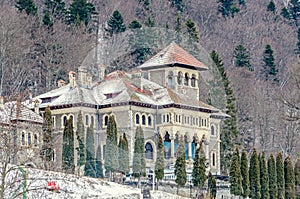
[[173, 55]]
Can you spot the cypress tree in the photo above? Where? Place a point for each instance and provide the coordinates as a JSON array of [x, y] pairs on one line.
[[111, 152], [90, 165], [116, 23], [289, 179], [123, 154], [180, 165], [269, 67], [254, 176], [264, 177], [272, 178], [159, 163], [99, 165], [81, 151], [271, 7], [245, 175], [212, 186], [242, 57], [68, 147], [297, 178], [139, 164], [47, 149], [198, 173], [28, 6], [280, 175], [229, 131], [235, 176]]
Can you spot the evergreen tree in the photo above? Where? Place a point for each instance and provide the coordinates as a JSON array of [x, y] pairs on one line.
[[159, 164], [56, 8], [135, 24], [47, 149], [297, 178], [212, 186], [280, 175], [271, 7], [178, 4], [285, 13], [192, 31], [242, 2], [292, 11], [228, 8], [245, 174], [229, 131], [180, 165], [68, 147], [81, 151], [178, 28], [28, 6], [272, 178], [198, 173], [289, 178], [254, 176], [47, 19], [80, 11], [116, 23], [99, 165], [111, 152], [269, 67], [123, 154], [235, 176], [242, 57], [264, 177], [139, 164], [90, 165], [298, 42]]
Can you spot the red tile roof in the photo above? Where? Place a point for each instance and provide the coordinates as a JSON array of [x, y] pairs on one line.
[[173, 54]]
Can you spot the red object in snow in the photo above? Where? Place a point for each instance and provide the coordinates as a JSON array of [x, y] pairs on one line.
[[52, 186]]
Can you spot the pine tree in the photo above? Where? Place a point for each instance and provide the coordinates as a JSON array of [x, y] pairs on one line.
[[47, 19], [297, 178], [28, 6], [192, 31], [229, 131], [292, 11], [280, 175], [111, 152], [228, 8], [272, 177], [264, 177], [269, 67], [245, 174], [159, 163], [99, 165], [235, 176], [81, 151], [242, 57], [123, 154], [139, 164], [80, 11], [298, 42], [254, 176], [116, 23], [178, 4], [90, 165], [198, 173], [212, 186], [56, 8], [289, 178], [47, 149], [271, 7], [180, 165], [135, 24], [68, 147]]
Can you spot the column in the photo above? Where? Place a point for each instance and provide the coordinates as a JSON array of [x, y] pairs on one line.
[[190, 149], [172, 146]]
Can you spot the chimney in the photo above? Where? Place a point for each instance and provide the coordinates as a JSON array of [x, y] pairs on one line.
[[37, 106], [72, 79], [61, 83]]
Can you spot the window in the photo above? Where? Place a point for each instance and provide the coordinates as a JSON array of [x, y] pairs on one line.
[[87, 120], [92, 121], [193, 81], [168, 118], [105, 120], [179, 78], [143, 120], [186, 79], [148, 151], [137, 119], [212, 130], [53, 122], [205, 122], [65, 120], [23, 138], [149, 121], [164, 118], [170, 79], [197, 121], [179, 118], [213, 159], [35, 140], [176, 118], [29, 139]]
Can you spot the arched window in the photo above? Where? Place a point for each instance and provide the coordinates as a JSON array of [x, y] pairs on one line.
[[212, 130], [167, 146], [179, 78], [213, 159], [193, 81], [35, 140], [29, 139], [170, 78], [92, 121], [23, 138], [65, 120], [137, 119], [105, 120], [71, 117], [186, 79], [168, 118], [143, 120], [164, 118], [148, 151], [87, 120], [149, 121]]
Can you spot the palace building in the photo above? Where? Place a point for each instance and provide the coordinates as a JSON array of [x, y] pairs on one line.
[[161, 95]]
